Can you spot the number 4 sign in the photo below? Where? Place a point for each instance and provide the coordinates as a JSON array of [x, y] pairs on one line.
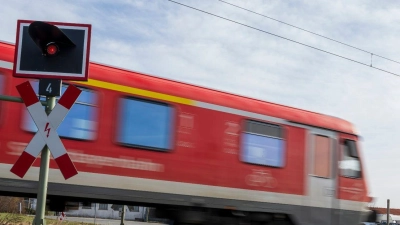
[[47, 130], [50, 87]]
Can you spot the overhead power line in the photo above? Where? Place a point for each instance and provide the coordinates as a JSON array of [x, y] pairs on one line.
[[328, 38], [287, 39]]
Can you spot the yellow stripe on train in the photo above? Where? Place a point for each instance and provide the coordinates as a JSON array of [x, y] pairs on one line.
[[137, 91]]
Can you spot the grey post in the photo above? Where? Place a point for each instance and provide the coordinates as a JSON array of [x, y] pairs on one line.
[[388, 211], [123, 215], [95, 212], [44, 174]]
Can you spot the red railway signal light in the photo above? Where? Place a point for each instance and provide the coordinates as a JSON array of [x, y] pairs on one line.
[[52, 50], [49, 38]]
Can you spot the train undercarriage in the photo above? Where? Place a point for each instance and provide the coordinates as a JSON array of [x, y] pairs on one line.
[[190, 215]]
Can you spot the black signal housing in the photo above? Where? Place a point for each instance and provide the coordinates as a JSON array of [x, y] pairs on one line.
[[49, 38], [52, 50]]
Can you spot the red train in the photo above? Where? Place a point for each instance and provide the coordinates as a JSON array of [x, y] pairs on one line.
[[197, 155]]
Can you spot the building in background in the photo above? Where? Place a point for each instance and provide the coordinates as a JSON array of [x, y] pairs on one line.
[[394, 214], [105, 211], [31, 203]]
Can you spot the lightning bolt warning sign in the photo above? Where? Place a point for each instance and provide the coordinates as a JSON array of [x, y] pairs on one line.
[[47, 129]]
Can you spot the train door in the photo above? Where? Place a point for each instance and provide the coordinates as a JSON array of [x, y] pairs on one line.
[[322, 176]]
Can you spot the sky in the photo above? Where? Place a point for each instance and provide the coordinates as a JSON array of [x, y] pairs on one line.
[[165, 39]]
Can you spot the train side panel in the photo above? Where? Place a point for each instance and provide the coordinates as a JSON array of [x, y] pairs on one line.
[[206, 155]]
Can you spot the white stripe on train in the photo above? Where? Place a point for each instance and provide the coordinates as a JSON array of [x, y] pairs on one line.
[[6, 65], [170, 187]]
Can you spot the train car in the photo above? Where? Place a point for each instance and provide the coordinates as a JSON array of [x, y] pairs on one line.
[[194, 154]]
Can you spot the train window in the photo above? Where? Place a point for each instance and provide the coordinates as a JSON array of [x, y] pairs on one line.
[[322, 156], [145, 124], [263, 144], [80, 122], [349, 164]]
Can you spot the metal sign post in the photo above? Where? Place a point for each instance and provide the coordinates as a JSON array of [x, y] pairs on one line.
[[49, 51], [43, 175], [53, 88]]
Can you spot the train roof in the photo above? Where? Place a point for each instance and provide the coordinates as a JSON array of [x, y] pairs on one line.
[[198, 93]]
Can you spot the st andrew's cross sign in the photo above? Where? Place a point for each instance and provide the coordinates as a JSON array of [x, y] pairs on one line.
[[47, 130]]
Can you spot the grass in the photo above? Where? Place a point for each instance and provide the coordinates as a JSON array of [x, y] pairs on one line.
[[21, 219]]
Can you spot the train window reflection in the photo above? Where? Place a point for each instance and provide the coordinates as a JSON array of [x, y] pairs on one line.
[[322, 156], [263, 144], [350, 163], [145, 124], [80, 122]]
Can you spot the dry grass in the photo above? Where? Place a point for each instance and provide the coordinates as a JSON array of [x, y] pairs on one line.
[[10, 218], [19, 219], [10, 206]]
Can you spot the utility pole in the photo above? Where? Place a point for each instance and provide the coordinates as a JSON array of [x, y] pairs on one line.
[[122, 215], [388, 211], [95, 212]]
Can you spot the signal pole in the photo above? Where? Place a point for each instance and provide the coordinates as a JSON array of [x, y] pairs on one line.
[[42, 44], [43, 174]]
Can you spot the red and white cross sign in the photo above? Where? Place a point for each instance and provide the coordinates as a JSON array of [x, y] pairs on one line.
[[47, 130], [61, 217]]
